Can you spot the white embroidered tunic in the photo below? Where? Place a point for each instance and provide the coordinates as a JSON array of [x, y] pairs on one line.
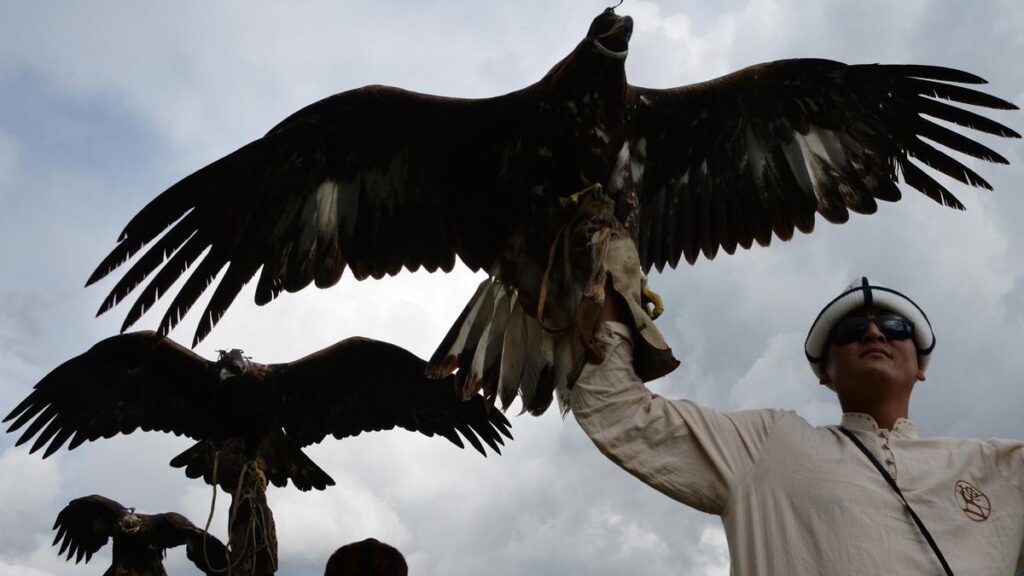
[[797, 499]]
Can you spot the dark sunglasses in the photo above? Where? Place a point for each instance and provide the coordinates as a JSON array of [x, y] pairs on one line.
[[852, 328]]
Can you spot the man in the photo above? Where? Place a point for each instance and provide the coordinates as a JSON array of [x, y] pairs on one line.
[[796, 499], [369, 557]]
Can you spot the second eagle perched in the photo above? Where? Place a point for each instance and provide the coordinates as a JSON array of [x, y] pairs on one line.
[[143, 380]]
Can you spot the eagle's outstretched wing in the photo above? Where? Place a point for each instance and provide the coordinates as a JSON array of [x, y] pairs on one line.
[[374, 179], [137, 380], [170, 529], [85, 525], [207, 553], [362, 385], [733, 160]]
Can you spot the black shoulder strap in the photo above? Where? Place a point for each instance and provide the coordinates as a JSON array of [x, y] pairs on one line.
[[892, 484]]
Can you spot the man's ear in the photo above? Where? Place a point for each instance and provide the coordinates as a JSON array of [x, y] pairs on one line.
[[826, 378]]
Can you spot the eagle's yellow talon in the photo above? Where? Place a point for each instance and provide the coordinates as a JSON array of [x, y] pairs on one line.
[[575, 198], [651, 297]]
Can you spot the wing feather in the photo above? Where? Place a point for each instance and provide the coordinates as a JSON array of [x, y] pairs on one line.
[[687, 230], [85, 525], [362, 385], [959, 142], [956, 93], [123, 383], [770, 146], [375, 179], [237, 275], [150, 261], [961, 117], [196, 283], [164, 279], [513, 355], [170, 529]]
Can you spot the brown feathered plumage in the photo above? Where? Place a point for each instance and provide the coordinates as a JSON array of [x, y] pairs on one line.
[[143, 380], [379, 179], [86, 524]]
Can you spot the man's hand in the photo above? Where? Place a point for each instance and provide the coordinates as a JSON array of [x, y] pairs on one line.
[[614, 308]]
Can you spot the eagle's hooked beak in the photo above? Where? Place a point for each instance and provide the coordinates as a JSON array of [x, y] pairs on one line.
[[232, 363], [623, 27], [613, 42]]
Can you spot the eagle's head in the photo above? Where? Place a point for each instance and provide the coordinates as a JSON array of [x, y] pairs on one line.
[[609, 34], [232, 363], [129, 523]]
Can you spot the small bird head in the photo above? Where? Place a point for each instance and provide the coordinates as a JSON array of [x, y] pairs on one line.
[[232, 363], [610, 33], [129, 523]]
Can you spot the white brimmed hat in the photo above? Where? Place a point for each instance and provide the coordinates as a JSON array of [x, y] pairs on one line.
[[861, 293]]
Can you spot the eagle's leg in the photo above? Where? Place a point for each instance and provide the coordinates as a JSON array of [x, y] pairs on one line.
[[575, 198], [653, 298], [256, 467]]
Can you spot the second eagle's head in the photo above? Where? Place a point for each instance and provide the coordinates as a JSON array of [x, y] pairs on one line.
[[232, 363]]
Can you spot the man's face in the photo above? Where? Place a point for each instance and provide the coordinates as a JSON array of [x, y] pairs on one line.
[[873, 364]]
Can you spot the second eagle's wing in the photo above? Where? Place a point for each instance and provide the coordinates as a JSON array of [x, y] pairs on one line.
[[375, 180], [137, 380], [362, 385], [762, 150]]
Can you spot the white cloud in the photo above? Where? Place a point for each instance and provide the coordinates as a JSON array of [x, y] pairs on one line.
[[28, 486], [779, 378], [714, 552], [318, 523]]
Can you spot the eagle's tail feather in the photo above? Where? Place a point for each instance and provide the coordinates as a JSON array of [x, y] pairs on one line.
[[514, 355], [489, 346], [463, 335], [305, 473], [498, 346], [283, 460], [536, 377]]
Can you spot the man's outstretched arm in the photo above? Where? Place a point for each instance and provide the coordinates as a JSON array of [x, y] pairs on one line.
[[688, 452]]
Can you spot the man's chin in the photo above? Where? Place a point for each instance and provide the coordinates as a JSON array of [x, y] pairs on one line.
[[870, 376]]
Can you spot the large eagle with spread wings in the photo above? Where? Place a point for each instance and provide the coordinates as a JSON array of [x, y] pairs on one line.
[[379, 179], [86, 524], [142, 380]]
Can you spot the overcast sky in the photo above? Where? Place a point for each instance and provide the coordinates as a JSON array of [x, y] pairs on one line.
[[105, 104]]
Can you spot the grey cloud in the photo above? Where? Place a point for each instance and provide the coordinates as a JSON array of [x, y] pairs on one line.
[[157, 92]]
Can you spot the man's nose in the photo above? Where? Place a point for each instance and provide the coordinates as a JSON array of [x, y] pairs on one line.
[[872, 333]]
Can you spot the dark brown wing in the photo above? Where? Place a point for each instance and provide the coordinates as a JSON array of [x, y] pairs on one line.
[[138, 380], [760, 151], [85, 525], [362, 385], [170, 529], [207, 553], [375, 179]]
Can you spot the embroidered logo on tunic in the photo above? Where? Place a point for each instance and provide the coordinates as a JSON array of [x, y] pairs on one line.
[[974, 504]]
